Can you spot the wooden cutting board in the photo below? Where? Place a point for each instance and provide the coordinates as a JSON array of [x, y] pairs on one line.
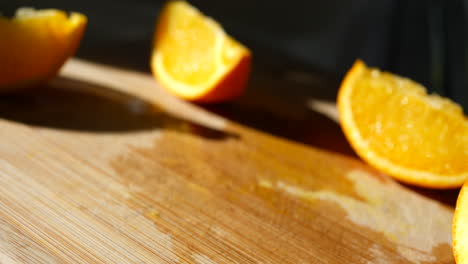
[[92, 172]]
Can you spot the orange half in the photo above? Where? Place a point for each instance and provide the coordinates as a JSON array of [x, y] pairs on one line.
[[35, 44]]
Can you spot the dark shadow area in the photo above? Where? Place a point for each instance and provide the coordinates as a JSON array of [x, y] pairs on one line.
[[276, 102], [69, 104]]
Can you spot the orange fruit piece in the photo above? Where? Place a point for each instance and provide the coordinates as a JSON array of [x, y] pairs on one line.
[[460, 227], [193, 58], [394, 125], [35, 44]]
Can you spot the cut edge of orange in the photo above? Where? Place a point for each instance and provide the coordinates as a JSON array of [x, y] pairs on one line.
[[76, 22], [229, 80], [407, 175]]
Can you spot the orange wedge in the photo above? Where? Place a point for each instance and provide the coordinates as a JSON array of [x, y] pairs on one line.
[[35, 44], [460, 227], [193, 58], [394, 125]]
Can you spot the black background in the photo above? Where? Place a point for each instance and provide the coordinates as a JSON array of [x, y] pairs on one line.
[[423, 40]]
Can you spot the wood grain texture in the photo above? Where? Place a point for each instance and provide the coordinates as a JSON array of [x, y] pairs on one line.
[[102, 166]]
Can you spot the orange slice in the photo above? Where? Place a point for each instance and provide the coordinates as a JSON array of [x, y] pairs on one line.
[[460, 227], [193, 58], [35, 44], [394, 125]]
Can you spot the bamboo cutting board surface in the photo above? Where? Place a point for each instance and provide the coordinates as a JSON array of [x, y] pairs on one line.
[[92, 172]]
